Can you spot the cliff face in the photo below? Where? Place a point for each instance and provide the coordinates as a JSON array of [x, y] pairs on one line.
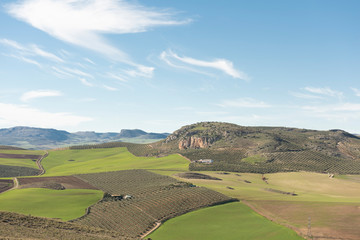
[[194, 142]]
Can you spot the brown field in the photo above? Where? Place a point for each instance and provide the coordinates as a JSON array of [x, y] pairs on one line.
[[328, 220], [67, 182], [5, 185], [22, 156]]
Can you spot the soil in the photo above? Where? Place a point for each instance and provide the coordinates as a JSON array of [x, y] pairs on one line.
[[22, 156], [65, 182], [5, 185], [328, 220]]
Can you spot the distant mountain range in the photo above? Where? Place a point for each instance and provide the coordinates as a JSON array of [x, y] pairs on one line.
[[42, 138]]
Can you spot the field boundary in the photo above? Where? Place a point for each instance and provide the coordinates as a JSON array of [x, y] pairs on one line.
[[273, 219], [40, 166], [157, 225]]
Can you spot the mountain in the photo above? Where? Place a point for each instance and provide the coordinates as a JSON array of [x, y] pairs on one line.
[[42, 138], [137, 133]]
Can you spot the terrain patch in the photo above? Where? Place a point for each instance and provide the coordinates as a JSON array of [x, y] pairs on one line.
[[63, 182], [194, 175], [14, 171], [141, 200]]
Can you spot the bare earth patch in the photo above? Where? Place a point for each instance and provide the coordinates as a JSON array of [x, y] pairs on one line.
[[21, 156], [5, 185], [328, 220], [65, 182]]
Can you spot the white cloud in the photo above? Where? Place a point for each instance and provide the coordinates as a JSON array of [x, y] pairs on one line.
[[342, 107], [223, 65], [39, 94], [356, 91], [77, 72], [25, 59], [305, 96], [31, 50], [85, 82], [20, 115], [110, 88], [324, 91], [117, 77], [89, 61], [244, 103], [83, 22]]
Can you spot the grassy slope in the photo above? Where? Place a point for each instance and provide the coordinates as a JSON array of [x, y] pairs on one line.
[[64, 204], [228, 221], [103, 160], [20, 162], [331, 203], [30, 152], [309, 187]]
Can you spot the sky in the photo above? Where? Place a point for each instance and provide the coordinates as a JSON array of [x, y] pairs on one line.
[[156, 65]]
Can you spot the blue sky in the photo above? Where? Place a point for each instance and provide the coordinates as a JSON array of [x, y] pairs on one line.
[[106, 65]]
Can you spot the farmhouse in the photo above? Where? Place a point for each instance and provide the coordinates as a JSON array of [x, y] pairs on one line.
[[206, 161]]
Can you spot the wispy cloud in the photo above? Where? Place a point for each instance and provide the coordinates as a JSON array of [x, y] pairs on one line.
[[244, 103], [305, 95], [30, 50], [324, 91], [356, 91], [109, 88], [24, 59], [341, 107], [116, 76], [12, 115], [77, 72], [83, 23], [26, 97], [223, 65], [85, 82]]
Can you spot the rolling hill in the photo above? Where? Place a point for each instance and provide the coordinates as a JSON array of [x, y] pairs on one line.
[[256, 149]]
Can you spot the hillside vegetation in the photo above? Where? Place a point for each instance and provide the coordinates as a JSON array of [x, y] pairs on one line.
[[137, 200], [256, 149]]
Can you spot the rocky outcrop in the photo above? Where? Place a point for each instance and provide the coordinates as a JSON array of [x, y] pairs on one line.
[[195, 142]]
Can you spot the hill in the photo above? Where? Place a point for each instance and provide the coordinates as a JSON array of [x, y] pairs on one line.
[[256, 149], [41, 138], [264, 149]]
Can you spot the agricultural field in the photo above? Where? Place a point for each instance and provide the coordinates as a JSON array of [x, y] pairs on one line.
[[291, 198], [138, 200], [5, 185], [69, 162], [18, 226], [19, 162], [62, 204], [56, 183], [227, 221], [13, 171]]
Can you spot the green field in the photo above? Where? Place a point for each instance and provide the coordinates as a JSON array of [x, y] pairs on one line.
[[332, 203], [29, 152], [228, 221], [63, 204], [68, 162], [18, 162]]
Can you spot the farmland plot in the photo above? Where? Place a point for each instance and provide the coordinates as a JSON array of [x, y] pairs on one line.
[[152, 198]]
